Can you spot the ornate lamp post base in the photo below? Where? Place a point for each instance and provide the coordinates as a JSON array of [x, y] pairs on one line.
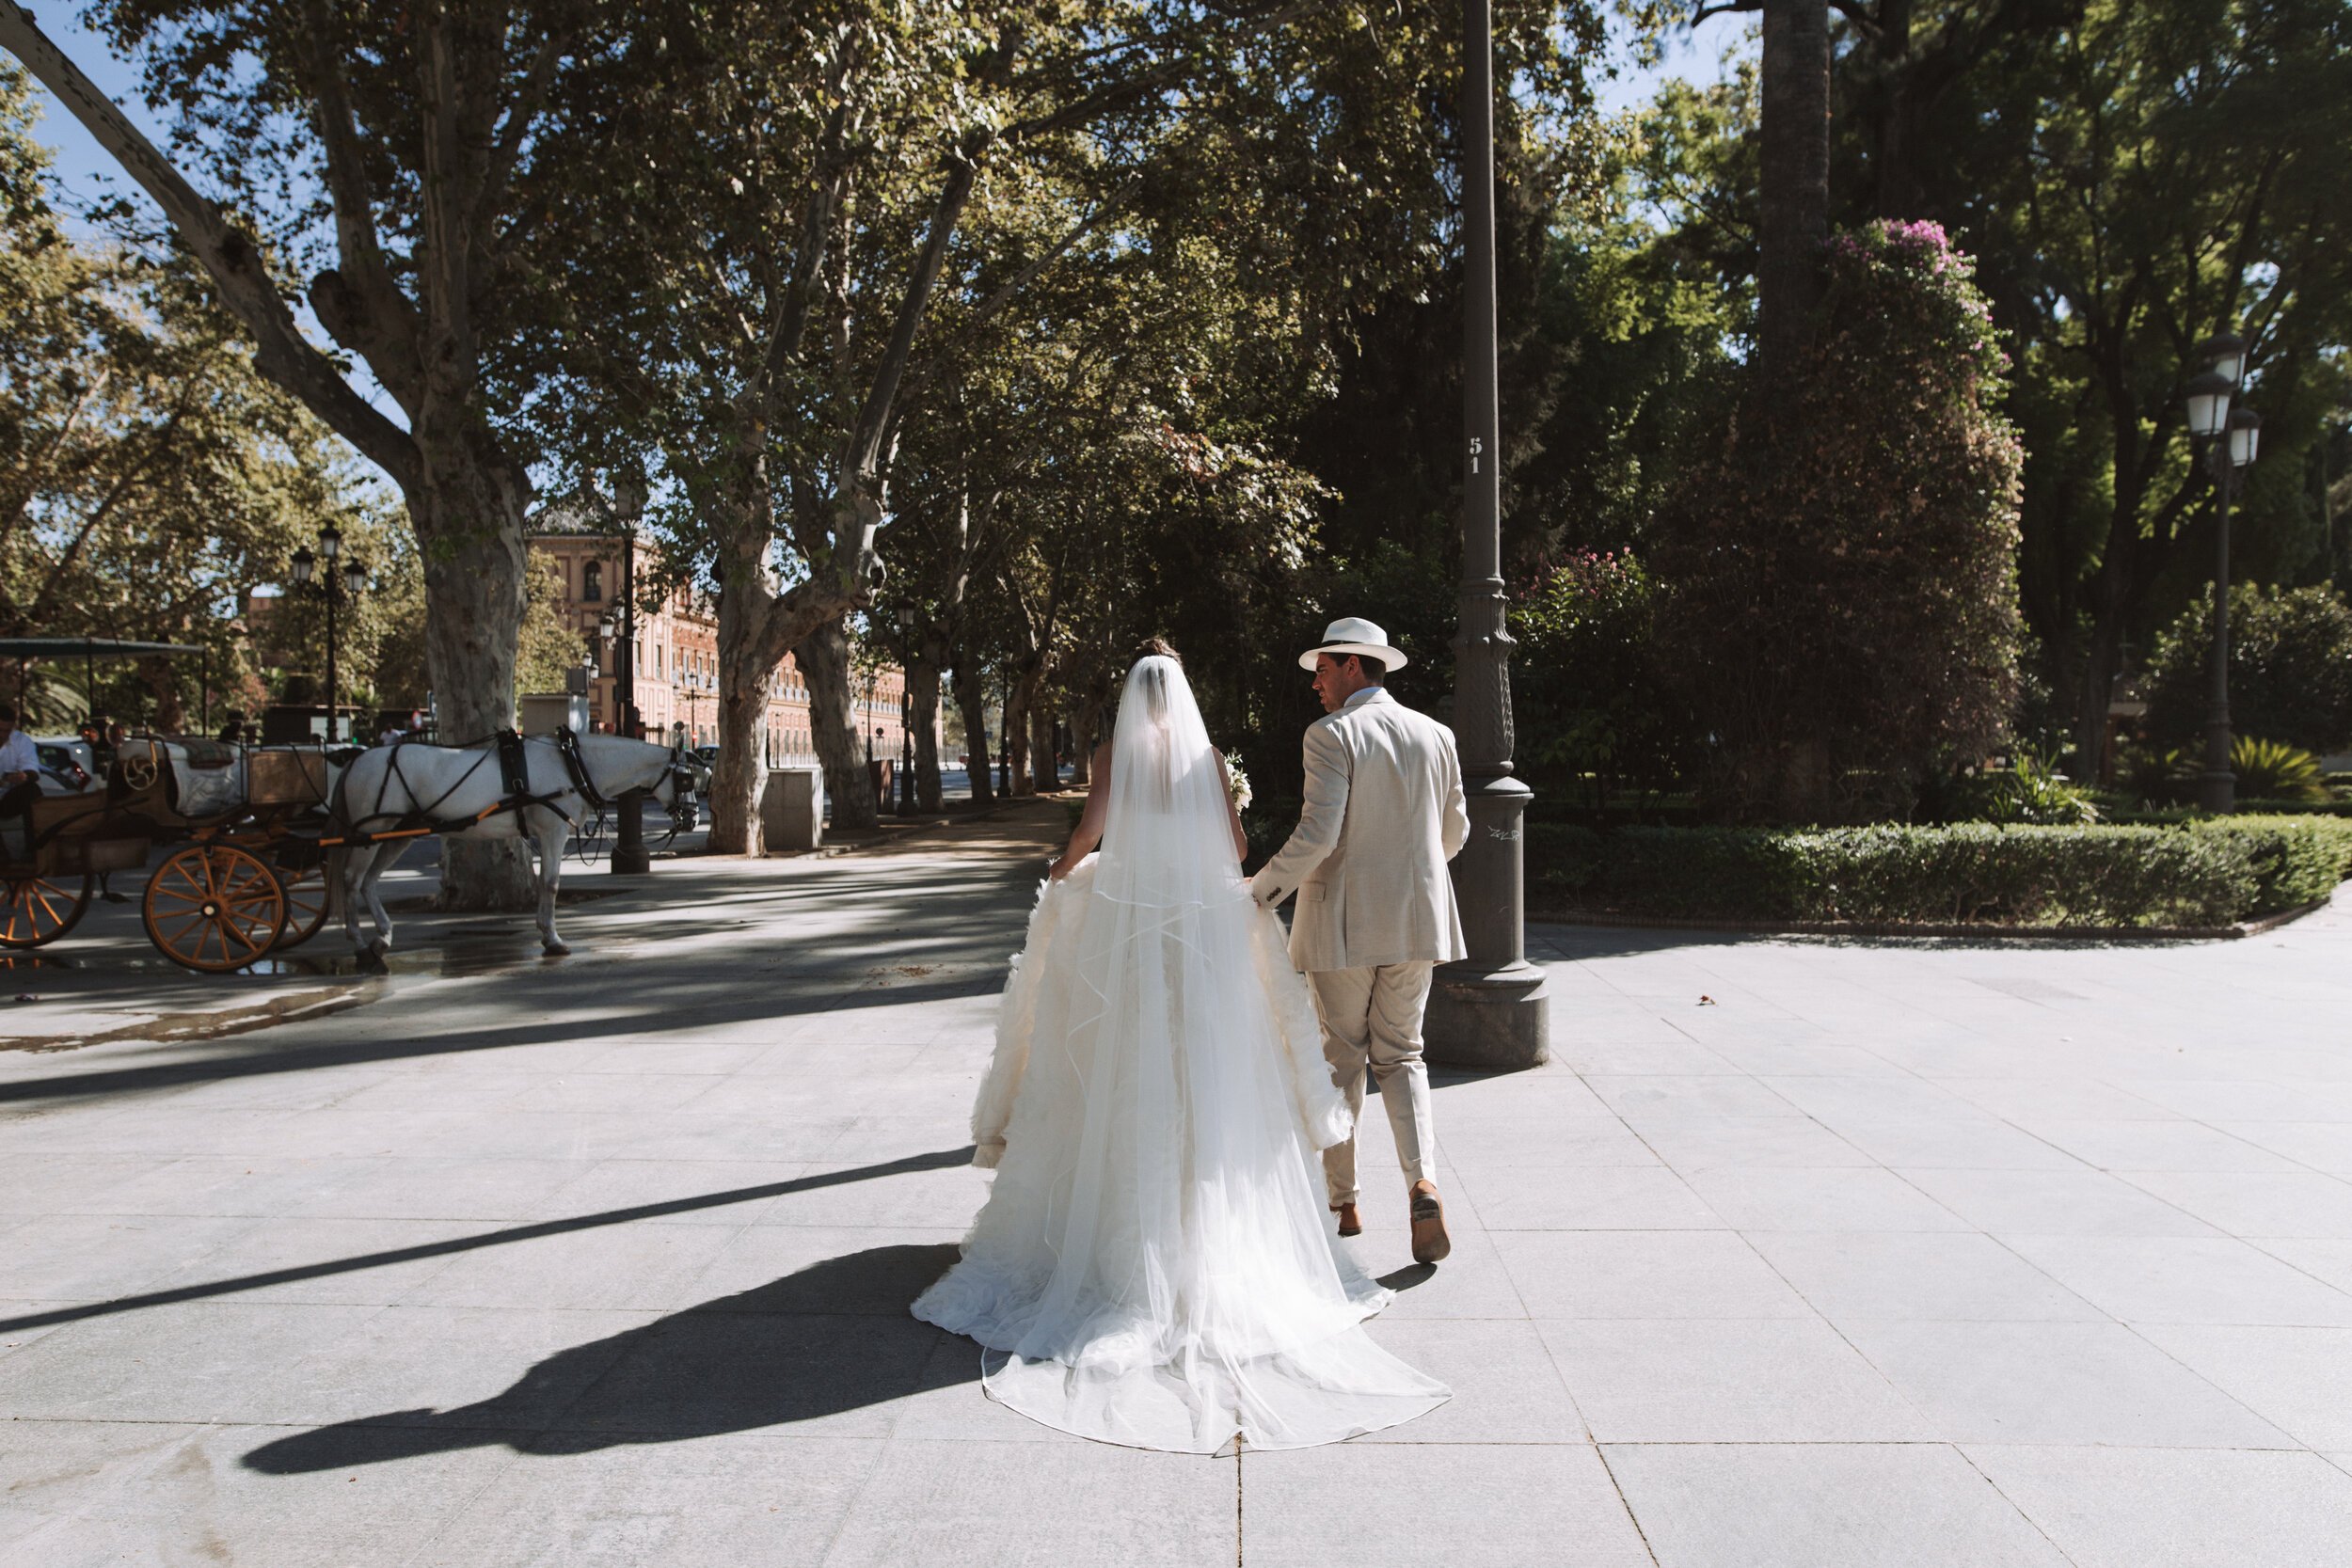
[[1493, 1020], [629, 855], [1490, 1013]]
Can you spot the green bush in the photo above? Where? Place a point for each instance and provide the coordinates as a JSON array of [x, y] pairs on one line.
[[2204, 874], [2290, 670], [2030, 790], [2028, 876], [2295, 860], [1594, 710], [2274, 770]]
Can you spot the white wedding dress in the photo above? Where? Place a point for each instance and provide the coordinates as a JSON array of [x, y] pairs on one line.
[[1154, 1265]]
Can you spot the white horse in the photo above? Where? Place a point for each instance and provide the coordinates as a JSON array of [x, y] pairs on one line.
[[391, 787]]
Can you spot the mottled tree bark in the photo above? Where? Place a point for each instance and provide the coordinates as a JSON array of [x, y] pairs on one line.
[[923, 706], [823, 657], [972, 702], [473, 581], [1042, 767]]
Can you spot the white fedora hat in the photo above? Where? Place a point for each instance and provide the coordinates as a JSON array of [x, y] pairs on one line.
[[1354, 635]]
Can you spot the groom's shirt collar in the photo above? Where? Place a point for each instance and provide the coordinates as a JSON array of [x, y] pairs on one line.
[[1369, 695]]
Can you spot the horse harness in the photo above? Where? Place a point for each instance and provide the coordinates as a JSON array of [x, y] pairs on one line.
[[509, 747]]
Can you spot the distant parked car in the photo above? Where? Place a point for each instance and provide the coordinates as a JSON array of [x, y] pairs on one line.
[[68, 766]]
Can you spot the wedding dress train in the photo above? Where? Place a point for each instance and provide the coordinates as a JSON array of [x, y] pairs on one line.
[[1154, 1266]]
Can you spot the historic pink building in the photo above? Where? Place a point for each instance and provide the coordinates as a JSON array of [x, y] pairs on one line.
[[677, 658]]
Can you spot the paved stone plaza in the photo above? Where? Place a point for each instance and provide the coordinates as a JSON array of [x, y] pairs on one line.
[[1806, 1253]]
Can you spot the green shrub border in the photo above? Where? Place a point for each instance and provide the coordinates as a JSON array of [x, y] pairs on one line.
[[2200, 874]]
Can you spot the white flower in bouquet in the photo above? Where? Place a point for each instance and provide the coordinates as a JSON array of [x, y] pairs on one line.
[[1237, 781]]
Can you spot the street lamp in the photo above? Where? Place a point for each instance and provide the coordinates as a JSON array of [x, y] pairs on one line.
[[1490, 1010], [630, 856], [906, 711], [2230, 438], [352, 579]]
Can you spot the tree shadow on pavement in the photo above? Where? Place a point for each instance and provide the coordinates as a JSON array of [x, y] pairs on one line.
[[835, 1336]]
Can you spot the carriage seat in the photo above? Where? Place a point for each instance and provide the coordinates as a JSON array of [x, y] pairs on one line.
[[203, 753]]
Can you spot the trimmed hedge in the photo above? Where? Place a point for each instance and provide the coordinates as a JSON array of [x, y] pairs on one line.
[[2201, 874]]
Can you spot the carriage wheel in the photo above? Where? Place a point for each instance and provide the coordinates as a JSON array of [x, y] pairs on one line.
[[42, 908], [305, 905], [214, 907]]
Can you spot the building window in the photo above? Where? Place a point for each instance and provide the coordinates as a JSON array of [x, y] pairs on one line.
[[592, 582]]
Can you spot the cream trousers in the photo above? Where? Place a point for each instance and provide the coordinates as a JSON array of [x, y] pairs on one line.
[[1371, 1018]]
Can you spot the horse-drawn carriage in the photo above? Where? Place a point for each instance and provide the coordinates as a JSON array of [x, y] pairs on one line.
[[244, 879], [262, 833]]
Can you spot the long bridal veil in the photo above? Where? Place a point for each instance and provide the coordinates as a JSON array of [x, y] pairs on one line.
[[1153, 1266]]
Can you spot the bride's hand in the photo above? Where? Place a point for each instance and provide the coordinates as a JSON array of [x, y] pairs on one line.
[[1059, 869]]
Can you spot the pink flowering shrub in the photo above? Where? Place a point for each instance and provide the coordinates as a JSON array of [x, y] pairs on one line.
[[1843, 614]]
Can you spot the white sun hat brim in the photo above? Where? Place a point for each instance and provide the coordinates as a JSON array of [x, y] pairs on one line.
[[1381, 651]]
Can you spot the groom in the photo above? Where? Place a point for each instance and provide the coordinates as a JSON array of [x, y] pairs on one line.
[[1383, 813]]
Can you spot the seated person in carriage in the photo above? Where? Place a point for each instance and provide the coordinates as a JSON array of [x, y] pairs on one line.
[[19, 776]]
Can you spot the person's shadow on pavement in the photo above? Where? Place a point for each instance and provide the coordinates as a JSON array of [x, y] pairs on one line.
[[833, 1338]]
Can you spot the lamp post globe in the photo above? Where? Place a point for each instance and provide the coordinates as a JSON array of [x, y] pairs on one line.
[[2225, 353], [2246, 429], [2208, 399], [352, 579]]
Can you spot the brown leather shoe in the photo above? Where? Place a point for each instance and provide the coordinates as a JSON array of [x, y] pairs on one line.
[[1430, 1242], [1350, 1225]]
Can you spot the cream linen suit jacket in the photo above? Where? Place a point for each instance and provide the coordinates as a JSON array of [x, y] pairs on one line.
[[1384, 813]]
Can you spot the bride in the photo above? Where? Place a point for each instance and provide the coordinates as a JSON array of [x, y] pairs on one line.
[[1153, 1266]]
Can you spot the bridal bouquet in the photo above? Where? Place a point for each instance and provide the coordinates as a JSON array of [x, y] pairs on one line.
[[1237, 781]]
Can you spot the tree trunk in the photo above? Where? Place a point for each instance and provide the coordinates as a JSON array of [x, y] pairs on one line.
[[1794, 178], [972, 701], [750, 646], [1898, 195], [923, 715], [741, 776], [1081, 727], [469, 521], [1043, 769], [823, 655], [1015, 723]]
